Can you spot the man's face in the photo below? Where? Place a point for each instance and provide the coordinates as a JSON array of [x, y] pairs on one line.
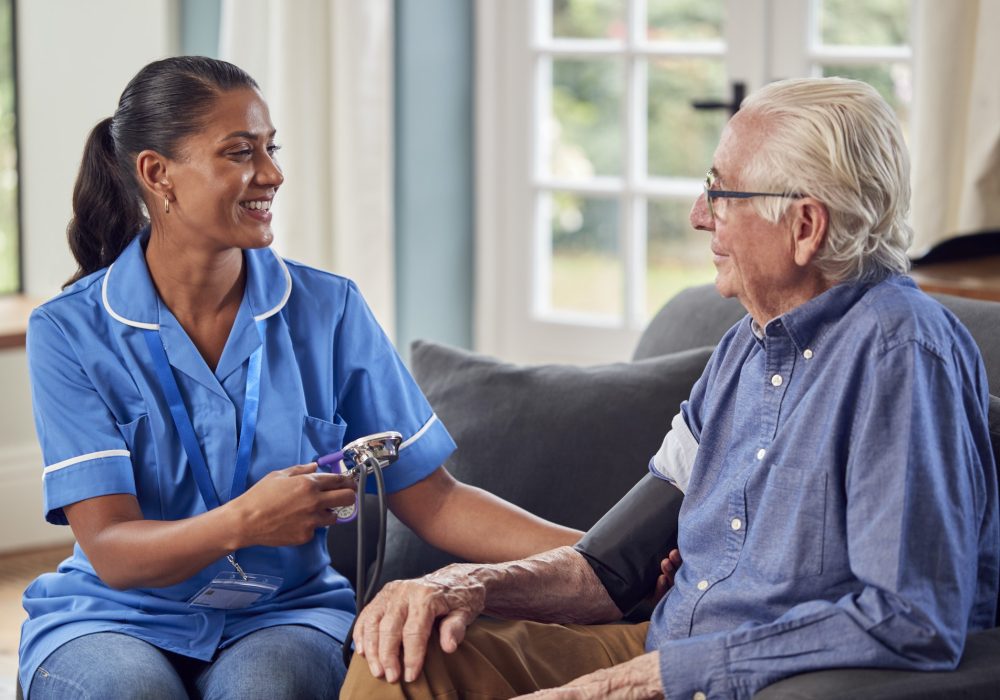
[[753, 258]]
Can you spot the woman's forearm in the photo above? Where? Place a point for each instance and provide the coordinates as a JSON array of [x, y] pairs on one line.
[[473, 524], [129, 552]]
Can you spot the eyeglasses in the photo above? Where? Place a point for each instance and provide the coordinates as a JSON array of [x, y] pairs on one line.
[[711, 194]]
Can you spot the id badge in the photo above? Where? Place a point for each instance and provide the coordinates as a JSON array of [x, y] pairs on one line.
[[231, 591]]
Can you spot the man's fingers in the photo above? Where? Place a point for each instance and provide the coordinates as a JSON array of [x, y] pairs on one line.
[[416, 632], [390, 632], [370, 640], [452, 630]]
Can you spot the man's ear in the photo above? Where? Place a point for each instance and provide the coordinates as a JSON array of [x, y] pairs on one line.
[[810, 223], [151, 169]]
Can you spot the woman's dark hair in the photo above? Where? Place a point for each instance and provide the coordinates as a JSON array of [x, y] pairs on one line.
[[163, 104]]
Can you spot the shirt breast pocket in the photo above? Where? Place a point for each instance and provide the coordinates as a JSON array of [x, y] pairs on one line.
[[136, 435], [789, 525], [320, 437]]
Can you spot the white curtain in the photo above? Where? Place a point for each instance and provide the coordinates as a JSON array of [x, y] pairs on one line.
[[956, 141], [325, 68]]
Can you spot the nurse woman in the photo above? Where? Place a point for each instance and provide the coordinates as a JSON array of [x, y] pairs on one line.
[[184, 382]]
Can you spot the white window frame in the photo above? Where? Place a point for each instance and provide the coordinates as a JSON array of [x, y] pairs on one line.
[[509, 321]]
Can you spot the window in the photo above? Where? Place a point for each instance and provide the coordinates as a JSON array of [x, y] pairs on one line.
[[10, 277], [592, 150]]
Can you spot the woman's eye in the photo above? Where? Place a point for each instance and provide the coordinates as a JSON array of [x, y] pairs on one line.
[[273, 148], [242, 153]]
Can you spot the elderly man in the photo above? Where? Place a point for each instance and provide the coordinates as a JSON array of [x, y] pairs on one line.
[[840, 498]]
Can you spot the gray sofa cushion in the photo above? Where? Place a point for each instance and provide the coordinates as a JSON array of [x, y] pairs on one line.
[[563, 442]]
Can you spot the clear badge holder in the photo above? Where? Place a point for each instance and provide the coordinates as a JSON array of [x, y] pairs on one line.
[[231, 590]]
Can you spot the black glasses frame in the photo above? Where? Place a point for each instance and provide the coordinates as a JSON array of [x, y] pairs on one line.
[[711, 194]]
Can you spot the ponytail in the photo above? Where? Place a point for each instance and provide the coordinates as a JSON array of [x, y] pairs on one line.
[[107, 213]]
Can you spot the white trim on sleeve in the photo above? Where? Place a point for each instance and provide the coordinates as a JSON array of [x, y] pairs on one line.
[[676, 456], [416, 436], [84, 458]]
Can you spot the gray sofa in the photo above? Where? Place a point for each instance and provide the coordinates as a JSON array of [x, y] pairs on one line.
[[567, 442]]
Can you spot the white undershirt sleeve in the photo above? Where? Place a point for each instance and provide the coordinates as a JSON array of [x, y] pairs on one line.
[[676, 455]]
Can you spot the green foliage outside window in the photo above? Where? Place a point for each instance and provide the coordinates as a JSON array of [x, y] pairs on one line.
[[9, 234]]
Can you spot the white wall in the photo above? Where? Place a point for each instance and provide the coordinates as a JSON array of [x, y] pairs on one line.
[[74, 59]]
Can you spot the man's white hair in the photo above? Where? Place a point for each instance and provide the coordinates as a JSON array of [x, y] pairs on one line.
[[838, 141]]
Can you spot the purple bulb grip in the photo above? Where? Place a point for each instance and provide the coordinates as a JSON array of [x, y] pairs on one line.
[[330, 461]]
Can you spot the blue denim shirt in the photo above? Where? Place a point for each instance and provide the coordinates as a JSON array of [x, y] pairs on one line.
[[842, 504]]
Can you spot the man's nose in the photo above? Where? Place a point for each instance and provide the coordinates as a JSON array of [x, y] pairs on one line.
[[700, 217]]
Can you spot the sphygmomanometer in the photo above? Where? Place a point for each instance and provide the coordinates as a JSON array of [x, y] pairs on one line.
[[626, 546], [359, 458]]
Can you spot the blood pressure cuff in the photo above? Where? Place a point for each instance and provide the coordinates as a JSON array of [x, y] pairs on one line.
[[626, 546]]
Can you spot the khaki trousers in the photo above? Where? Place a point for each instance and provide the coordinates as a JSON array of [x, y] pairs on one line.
[[503, 659]]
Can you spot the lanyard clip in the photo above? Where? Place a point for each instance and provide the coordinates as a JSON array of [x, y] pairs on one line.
[[236, 565]]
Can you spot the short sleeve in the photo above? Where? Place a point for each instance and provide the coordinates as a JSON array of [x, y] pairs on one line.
[[376, 393], [83, 449]]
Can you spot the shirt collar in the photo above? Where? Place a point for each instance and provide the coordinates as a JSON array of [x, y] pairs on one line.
[[807, 323], [129, 296]]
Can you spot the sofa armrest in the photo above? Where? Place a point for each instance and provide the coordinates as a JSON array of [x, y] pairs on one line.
[[977, 676]]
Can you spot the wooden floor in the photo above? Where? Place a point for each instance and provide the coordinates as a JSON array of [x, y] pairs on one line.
[[16, 572]]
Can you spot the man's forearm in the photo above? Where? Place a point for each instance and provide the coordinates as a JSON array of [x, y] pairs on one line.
[[554, 586]]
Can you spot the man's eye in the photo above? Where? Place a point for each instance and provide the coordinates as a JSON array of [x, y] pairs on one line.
[[273, 148], [243, 153]]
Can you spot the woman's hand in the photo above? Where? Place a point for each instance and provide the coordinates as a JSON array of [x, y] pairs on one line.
[[288, 505]]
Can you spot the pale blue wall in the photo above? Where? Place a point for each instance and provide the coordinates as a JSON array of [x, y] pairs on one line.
[[434, 171], [199, 22], [433, 180]]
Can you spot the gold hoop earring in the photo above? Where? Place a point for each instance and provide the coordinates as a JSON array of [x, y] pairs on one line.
[[166, 205]]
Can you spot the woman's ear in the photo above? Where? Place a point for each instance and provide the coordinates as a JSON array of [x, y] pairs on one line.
[[809, 228], [152, 171]]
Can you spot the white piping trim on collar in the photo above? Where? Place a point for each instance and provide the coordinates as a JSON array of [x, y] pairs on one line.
[[84, 458], [288, 290], [156, 326], [117, 317], [416, 436]]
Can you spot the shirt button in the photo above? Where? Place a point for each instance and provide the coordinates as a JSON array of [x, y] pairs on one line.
[[703, 585], [736, 523], [776, 380], [761, 452], [699, 696], [808, 354]]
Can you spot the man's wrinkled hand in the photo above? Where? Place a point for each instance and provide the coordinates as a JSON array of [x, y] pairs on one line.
[[638, 679], [402, 616]]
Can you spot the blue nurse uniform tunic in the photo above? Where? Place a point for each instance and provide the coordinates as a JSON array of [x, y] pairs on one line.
[[329, 375]]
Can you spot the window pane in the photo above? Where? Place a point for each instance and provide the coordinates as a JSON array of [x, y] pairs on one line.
[[9, 241], [865, 22], [893, 81], [677, 256], [586, 118], [586, 273], [588, 19], [682, 139], [684, 20]]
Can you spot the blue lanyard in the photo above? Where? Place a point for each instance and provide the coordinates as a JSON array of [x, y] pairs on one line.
[[182, 420]]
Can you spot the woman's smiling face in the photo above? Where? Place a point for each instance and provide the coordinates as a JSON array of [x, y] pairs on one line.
[[225, 176]]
